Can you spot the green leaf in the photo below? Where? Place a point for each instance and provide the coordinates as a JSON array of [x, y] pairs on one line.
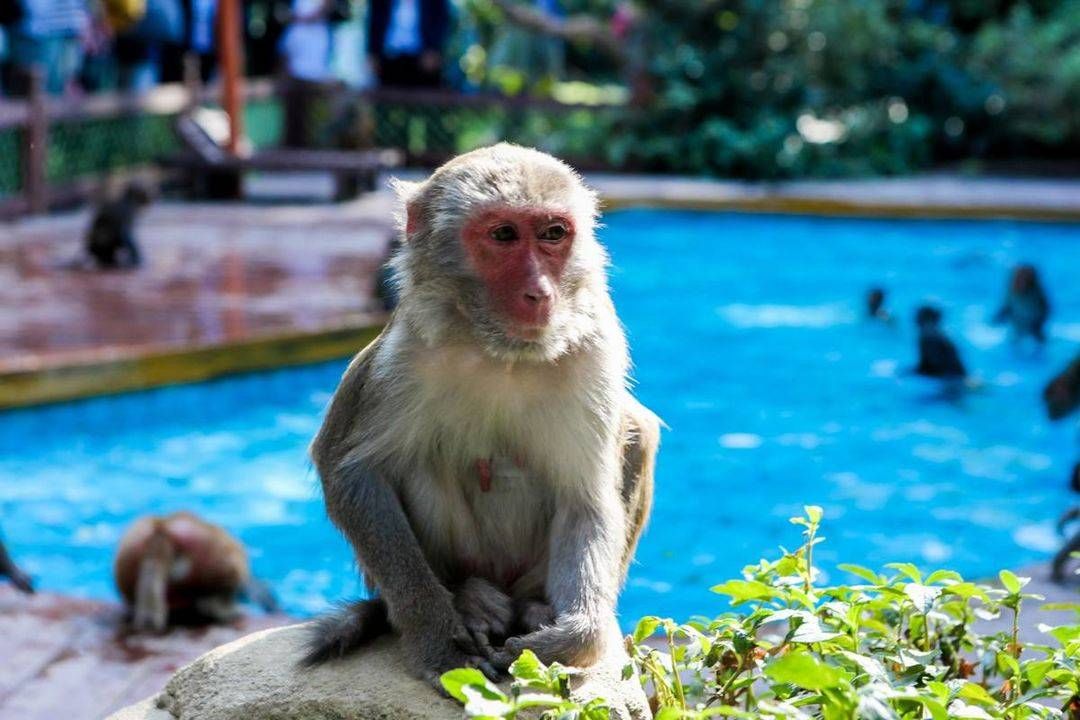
[[804, 670], [646, 626], [1011, 582], [813, 513], [922, 596], [527, 667], [480, 702], [865, 573], [744, 590], [907, 570], [455, 682]]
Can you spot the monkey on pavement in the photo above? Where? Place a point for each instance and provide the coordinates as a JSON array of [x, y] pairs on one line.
[[179, 566], [484, 456], [110, 241]]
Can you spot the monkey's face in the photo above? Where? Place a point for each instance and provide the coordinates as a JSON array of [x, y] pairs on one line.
[[519, 255]]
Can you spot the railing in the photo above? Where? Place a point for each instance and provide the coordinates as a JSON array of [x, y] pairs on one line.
[[50, 158]]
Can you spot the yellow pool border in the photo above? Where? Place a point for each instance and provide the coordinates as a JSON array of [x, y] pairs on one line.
[[141, 370], [154, 368]]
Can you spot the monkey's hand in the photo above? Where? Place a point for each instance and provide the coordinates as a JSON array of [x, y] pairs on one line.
[[575, 639], [439, 641]]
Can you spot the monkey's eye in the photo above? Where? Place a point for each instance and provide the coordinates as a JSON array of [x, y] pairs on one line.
[[504, 233], [553, 233]]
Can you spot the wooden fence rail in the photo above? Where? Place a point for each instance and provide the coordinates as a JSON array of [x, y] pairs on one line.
[[33, 116]]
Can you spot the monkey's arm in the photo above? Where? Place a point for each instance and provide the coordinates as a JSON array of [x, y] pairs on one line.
[[8, 567], [583, 578]]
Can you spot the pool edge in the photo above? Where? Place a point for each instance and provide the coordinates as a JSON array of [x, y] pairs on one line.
[[142, 370], [831, 207]]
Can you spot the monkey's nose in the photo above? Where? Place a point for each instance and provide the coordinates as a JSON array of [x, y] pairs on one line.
[[537, 296]]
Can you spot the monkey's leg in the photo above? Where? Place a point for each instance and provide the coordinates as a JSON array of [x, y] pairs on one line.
[[368, 512], [1057, 571], [8, 567], [151, 612]]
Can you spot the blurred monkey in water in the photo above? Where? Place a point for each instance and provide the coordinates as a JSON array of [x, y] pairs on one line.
[[1062, 394], [1025, 307], [11, 571], [179, 567], [938, 357], [484, 455], [111, 238], [875, 306]]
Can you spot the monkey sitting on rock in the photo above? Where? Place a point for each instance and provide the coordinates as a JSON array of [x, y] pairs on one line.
[[111, 238], [484, 456], [11, 571], [938, 356], [1025, 307], [180, 568]]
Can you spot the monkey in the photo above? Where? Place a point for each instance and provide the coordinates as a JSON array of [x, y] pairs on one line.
[[875, 306], [1057, 566], [484, 456], [1062, 394], [1025, 306], [11, 571], [111, 238], [179, 567], [938, 356]]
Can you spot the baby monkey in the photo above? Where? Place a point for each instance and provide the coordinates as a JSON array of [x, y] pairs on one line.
[[180, 568], [483, 455], [111, 238]]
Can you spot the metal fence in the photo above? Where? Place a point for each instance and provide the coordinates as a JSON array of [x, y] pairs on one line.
[[55, 151]]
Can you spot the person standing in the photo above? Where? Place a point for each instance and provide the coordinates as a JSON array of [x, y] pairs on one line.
[[406, 40], [49, 36]]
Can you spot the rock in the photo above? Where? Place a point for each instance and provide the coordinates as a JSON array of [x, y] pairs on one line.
[[257, 677]]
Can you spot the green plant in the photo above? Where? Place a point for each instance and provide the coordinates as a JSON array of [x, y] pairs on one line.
[[896, 645]]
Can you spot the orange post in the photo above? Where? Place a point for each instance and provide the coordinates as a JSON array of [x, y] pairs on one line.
[[231, 60]]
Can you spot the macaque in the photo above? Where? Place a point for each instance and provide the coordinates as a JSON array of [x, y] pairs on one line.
[[484, 456], [1062, 393], [875, 305], [1025, 307], [938, 357], [179, 567], [111, 238], [11, 571], [1057, 565]]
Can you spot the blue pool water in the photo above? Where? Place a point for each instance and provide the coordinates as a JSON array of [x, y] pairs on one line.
[[748, 341]]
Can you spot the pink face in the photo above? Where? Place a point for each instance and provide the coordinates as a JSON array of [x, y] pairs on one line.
[[519, 255]]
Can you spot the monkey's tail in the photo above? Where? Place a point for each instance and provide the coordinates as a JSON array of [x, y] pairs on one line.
[[336, 635]]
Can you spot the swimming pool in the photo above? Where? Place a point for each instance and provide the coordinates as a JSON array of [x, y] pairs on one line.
[[748, 340]]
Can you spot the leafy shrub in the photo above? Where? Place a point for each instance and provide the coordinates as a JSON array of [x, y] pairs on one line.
[[897, 645]]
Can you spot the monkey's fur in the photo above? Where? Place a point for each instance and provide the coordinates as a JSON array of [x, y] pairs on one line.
[[180, 567], [110, 240], [490, 485]]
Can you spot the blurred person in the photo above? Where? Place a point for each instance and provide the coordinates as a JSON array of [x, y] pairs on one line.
[[305, 49], [540, 58], [938, 356], [406, 40], [138, 46], [1062, 394], [1025, 306], [48, 35], [875, 305], [196, 41], [11, 571]]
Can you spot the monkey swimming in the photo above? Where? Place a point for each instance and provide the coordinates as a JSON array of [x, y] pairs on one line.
[[484, 456]]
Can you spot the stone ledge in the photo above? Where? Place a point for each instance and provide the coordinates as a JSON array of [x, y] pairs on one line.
[[257, 677]]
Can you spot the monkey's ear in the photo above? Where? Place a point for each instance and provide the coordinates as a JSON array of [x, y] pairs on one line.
[[407, 192]]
